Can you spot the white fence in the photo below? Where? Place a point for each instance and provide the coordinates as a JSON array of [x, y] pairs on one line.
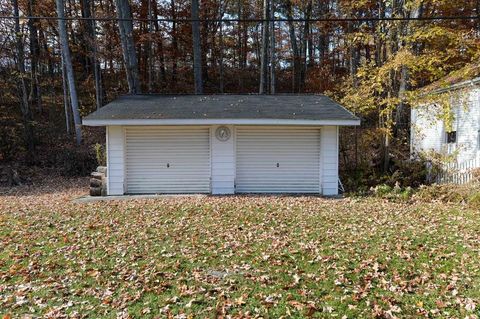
[[458, 173]]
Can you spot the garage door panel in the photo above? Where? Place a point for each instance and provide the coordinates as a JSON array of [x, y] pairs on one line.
[[168, 160], [259, 149]]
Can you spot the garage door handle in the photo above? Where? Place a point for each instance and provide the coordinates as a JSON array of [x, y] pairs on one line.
[[168, 165], [278, 164]]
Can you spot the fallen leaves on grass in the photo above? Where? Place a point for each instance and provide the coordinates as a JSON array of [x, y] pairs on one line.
[[236, 256]]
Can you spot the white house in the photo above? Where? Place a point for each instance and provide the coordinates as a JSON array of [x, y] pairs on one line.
[[462, 140], [222, 144]]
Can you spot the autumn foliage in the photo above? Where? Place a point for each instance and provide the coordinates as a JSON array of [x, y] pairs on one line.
[[376, 68]]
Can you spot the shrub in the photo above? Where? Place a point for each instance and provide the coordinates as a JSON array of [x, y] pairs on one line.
[[458, 194], [444, 193], [382, 190], [408, 173], [406, 193], [100, 154], [404, 173], [392, 193]]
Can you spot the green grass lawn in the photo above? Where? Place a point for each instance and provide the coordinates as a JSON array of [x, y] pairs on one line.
[[236, 256]]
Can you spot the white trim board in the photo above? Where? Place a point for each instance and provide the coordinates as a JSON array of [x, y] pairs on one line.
[[141, 122]]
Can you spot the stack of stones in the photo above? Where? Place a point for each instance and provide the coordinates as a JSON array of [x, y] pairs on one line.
[[98, 185]]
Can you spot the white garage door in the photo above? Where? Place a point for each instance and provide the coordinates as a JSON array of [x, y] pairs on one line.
[[167, 160], [277, 160]]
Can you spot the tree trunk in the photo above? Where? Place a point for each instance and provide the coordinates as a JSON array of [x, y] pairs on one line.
[[97, 72], [295, 51], [222, 48], [305, 36], [35, 91], [22, 87], [125, 26], [174, 43], [354, 57], [87, 37], [264, 50], [65, 97], [205, 46], [273, 80], [404, 77], [62, 32], [197, 50], [150, 60], [241, 26], [159, 43]]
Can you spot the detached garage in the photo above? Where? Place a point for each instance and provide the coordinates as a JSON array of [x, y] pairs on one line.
[[222, 144]]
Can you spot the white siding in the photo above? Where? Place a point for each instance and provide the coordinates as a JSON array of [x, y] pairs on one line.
[[277, 159], [223, 163], [468, 117], [167, 159], [329, 160], [115, 160], [428, 132]]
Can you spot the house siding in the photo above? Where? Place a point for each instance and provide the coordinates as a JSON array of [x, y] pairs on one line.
[[329, 160], [428, 132], [467, 121], [223, 164], [115, 160]]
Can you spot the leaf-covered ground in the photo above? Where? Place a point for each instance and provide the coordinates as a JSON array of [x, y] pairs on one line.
[[234, 257]]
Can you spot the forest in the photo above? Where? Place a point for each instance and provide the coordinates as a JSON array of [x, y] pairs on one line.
[[62, 59]]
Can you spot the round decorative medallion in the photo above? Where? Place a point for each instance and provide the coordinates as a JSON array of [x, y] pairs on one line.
[[222, 133]]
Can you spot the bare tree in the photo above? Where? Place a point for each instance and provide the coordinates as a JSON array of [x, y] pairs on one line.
[[197, 50], [159, 44], [273, 80], [88, 11], [150, 48], [222, 48], [125, 26], [35, 91], [97, 73], [62, 32], [295, 49], [65, 97], [174, 35], [22, 86], [264, 50]]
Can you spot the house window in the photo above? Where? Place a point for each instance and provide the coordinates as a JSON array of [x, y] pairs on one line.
[[452, 137], [478, 139]]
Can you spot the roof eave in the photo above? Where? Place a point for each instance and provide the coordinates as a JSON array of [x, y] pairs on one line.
[[455, 86], [140, 122]]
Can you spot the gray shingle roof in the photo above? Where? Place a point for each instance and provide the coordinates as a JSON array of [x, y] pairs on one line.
[[192, 107]]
